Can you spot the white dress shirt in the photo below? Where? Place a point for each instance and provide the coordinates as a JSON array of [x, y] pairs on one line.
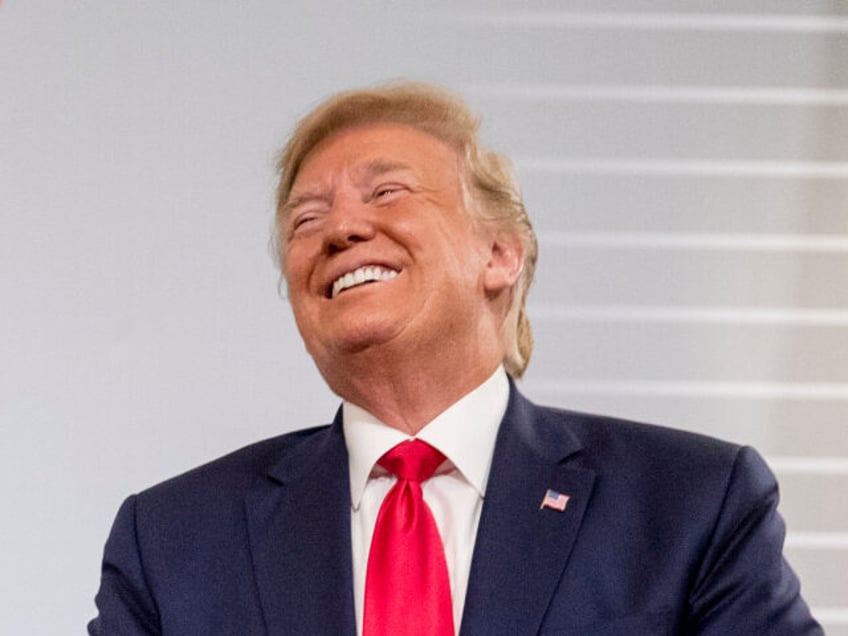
[[465, 434]]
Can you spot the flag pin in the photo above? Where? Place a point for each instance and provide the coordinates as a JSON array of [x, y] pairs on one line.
[[555, 500]]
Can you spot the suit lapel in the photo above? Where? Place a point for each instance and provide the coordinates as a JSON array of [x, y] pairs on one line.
[[298, 519], [521, 550]]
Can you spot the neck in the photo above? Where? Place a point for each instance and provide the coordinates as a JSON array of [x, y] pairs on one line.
[[406, 391]]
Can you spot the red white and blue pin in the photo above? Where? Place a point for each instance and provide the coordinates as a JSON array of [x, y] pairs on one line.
[[554, 500]]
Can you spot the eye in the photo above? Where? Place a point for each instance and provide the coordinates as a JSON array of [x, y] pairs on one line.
[[387, 192], [301, 221]]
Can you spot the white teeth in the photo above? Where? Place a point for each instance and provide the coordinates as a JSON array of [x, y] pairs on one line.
[[361, 275]]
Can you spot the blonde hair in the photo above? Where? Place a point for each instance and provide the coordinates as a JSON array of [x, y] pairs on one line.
[[493, 197]]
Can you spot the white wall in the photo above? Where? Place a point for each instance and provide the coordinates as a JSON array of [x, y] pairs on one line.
[[687, 173]]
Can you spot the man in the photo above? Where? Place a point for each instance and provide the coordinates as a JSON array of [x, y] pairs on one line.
[[408, 254]]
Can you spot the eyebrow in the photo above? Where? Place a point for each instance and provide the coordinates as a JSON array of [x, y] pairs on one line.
[[376, 167], [301, 198]]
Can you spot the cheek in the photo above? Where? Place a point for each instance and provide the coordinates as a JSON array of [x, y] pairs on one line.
[[295, 265], [297, 291]]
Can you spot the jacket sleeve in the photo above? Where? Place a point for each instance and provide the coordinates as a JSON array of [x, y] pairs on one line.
[[744, 585], [125, 604]]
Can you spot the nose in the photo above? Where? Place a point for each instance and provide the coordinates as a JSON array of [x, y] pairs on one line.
[[348, 223]]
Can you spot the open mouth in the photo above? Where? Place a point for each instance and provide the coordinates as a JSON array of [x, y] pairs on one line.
[[360, 276]]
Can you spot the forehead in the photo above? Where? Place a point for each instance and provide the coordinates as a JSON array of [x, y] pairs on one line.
[[376, 148]]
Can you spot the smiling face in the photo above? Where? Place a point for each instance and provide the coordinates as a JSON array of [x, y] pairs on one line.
[[379, 249]]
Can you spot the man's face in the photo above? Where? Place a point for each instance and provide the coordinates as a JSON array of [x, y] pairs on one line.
[[378, 245]]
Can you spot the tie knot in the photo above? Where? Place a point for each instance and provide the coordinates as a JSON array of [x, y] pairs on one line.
[[412, 460]]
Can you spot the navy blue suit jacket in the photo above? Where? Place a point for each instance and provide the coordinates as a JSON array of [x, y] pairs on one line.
[[665, 532]]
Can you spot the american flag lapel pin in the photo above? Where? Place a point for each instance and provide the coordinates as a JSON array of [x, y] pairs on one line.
[[554, 500]]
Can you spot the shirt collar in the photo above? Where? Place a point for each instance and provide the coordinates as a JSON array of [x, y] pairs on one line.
[[465, 433]]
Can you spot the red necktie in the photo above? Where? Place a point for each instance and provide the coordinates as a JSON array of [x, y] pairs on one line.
[[406, 587]]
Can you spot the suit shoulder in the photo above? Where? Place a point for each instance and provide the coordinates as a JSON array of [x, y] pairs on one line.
[[234, 472], [607, 428], [627, 443]]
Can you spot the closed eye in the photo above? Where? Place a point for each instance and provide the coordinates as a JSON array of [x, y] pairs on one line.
[[304, 209], [302, 220], [387, 192]]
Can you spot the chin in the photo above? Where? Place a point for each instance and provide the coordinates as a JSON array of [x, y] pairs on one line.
[[356, 338]]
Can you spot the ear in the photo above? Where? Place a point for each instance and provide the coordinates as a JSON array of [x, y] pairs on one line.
[[506, 260]]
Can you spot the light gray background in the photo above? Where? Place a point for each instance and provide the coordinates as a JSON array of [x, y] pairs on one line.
[[686, 165]]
